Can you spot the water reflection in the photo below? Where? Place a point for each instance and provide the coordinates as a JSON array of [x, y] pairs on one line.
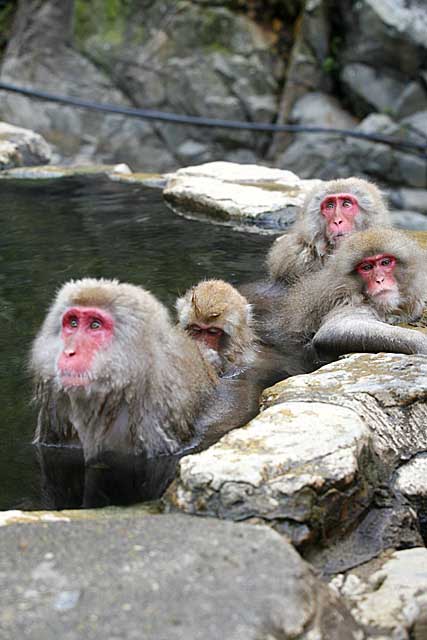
[[56, 230], [113, 480]]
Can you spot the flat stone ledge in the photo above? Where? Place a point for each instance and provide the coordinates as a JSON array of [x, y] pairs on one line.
[[387, 390], [298, 466], [236, 192]]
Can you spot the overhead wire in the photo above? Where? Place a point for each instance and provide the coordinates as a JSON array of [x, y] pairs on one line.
[[419, 148]]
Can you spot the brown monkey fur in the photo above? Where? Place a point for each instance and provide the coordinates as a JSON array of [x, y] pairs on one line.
[[217, 304], [330, 311], [306, 247], [151, 391]]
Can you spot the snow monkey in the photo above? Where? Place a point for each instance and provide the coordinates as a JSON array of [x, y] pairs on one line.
[[330, 212], [219, 318], [375, 279], [113, 371]]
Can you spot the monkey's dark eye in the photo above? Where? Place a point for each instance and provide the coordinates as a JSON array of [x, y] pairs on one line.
[[193, 328], [73, 322], [347, 203], [214, 331], [96, 324], [385, 261], [366, 267], [330, 205]]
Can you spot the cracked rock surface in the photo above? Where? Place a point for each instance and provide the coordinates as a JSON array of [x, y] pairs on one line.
[[318, 461]]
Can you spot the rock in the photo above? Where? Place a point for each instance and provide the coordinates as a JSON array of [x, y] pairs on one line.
[[21, 147], [161, 576], [307, 69], [240, 193], [410, 481], [373, 88], [116, 173], [242, 174], [207, 61], [406, 198], [390, 33], [413, 99], [394, 602], [319, 459], [417, 122], [409, 220], [411, 478], [39, 56], [386, 391], [322, 110], [298, 466], [390, 523]]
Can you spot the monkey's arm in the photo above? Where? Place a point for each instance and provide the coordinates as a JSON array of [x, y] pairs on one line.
[[234, 402], [358, 330], [288, 259], [53, 423]]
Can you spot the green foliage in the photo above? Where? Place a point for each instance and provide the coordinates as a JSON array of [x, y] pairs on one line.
[[330, 63], [106, 18], [7, 13]]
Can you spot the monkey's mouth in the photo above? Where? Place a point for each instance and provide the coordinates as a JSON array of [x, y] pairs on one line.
[[73, 379]]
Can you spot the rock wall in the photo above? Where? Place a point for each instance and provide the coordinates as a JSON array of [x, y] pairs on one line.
[[360, 66]]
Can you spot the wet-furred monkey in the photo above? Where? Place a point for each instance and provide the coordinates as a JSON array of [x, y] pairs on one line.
[[111, 369], [219, 318], [376, 278], [330, 212]]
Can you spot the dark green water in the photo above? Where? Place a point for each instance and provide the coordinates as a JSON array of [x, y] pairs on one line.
[[52, 231]]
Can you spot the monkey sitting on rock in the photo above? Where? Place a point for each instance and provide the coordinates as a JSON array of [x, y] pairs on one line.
[[375, 279], [330, 212], [112, 371]]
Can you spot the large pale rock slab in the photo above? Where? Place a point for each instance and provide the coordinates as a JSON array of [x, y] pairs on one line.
[[238, 192], [387, 391], [21, 147], [161, 576], [298, 466]]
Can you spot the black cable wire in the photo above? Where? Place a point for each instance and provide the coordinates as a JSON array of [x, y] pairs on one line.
[[152, 114]]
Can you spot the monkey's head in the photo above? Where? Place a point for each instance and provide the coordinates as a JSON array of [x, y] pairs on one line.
[[387, 267], [340, 207], [213, 312], [89, 326]]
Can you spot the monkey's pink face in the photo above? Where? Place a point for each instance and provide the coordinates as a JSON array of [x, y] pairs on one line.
[[208, 334], [339, 210], [85, 332], [377, 272]]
